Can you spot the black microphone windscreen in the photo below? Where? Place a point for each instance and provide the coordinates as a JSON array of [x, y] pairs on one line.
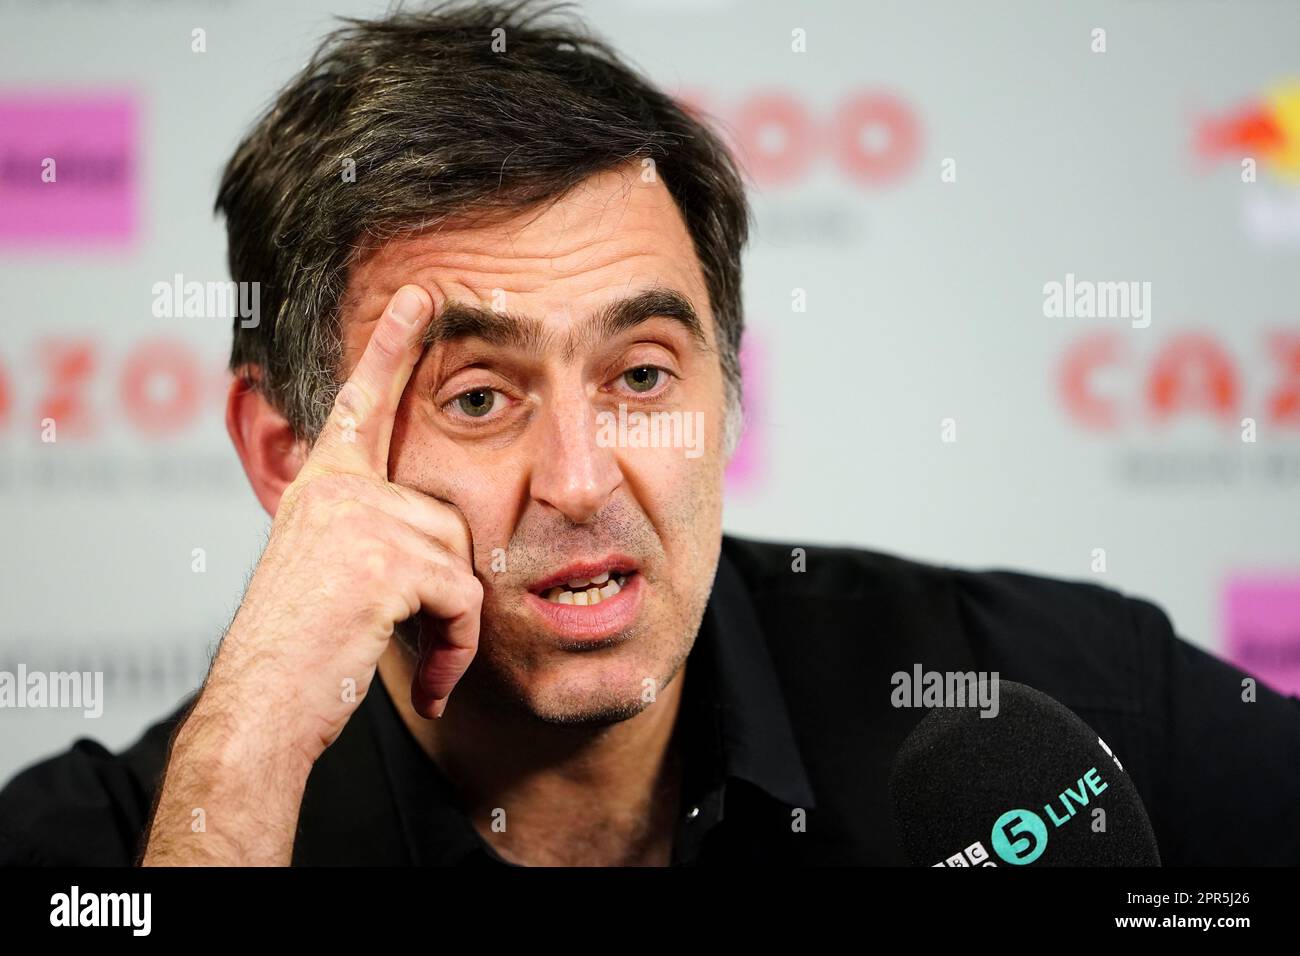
[[1031, 785]]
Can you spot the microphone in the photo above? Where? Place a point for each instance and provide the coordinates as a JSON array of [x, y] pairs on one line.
[[1032, 786]]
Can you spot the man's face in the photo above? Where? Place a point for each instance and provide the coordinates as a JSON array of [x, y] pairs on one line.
[[513, 416]]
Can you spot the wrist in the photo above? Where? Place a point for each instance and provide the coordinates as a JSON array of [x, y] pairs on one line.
[[236, 742], [229, 797]]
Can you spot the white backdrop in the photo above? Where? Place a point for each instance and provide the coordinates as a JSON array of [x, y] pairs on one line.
[[924, 315]]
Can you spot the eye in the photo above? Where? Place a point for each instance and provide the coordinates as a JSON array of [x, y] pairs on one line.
[[643, 378], [477, 402]]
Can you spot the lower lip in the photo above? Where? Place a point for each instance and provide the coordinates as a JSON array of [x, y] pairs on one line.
[[594, 621]]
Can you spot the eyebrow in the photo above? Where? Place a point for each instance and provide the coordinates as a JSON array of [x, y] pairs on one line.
[[527, 333]]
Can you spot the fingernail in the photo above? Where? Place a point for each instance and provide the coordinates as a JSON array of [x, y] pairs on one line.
[[408, 306]]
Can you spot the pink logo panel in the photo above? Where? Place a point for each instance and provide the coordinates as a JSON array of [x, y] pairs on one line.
[[1262, 623], [745, 472], [88, 193]]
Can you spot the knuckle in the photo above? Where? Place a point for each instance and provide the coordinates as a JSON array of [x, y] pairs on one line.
[[453, 560], [473, 588], [315, 493], [475, 594], [352, 401], [453, 532], [372, 561], [466, 596], [350, 515]]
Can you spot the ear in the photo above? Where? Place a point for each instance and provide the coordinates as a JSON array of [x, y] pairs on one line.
[[263, 438]]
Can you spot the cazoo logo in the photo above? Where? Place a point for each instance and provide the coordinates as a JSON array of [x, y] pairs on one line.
[[870, 137]]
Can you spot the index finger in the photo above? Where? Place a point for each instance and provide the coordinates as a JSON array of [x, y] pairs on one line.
[[359, 430]]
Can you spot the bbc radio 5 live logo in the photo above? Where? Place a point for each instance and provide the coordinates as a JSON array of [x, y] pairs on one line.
[[1019, 837], [973, 855]]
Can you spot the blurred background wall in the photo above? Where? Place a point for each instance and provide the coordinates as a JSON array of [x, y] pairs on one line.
[[923, 173]]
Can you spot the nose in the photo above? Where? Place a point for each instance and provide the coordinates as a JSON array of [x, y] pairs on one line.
[[573, 473]]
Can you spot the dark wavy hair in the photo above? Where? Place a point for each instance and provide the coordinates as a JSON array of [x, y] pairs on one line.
[[438, 125]]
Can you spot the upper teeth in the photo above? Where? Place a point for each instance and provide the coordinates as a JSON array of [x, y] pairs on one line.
[[583, 582], [584, 591]]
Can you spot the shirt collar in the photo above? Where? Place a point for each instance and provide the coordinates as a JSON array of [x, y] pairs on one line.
[[757, 738], [748, 731]]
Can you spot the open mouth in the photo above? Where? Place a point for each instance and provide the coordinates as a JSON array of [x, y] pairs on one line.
[[587, 583], [588, 591], [589, 602]]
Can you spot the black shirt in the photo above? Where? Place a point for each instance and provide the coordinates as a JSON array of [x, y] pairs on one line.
[[787, 728]]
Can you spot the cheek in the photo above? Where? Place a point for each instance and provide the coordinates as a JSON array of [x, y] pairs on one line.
[[486, 493], [681, 496]]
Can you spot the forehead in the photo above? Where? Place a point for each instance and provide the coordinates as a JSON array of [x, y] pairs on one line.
[[609, 238]]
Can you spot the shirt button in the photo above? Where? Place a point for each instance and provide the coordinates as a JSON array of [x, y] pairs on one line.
[[694, 812]]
